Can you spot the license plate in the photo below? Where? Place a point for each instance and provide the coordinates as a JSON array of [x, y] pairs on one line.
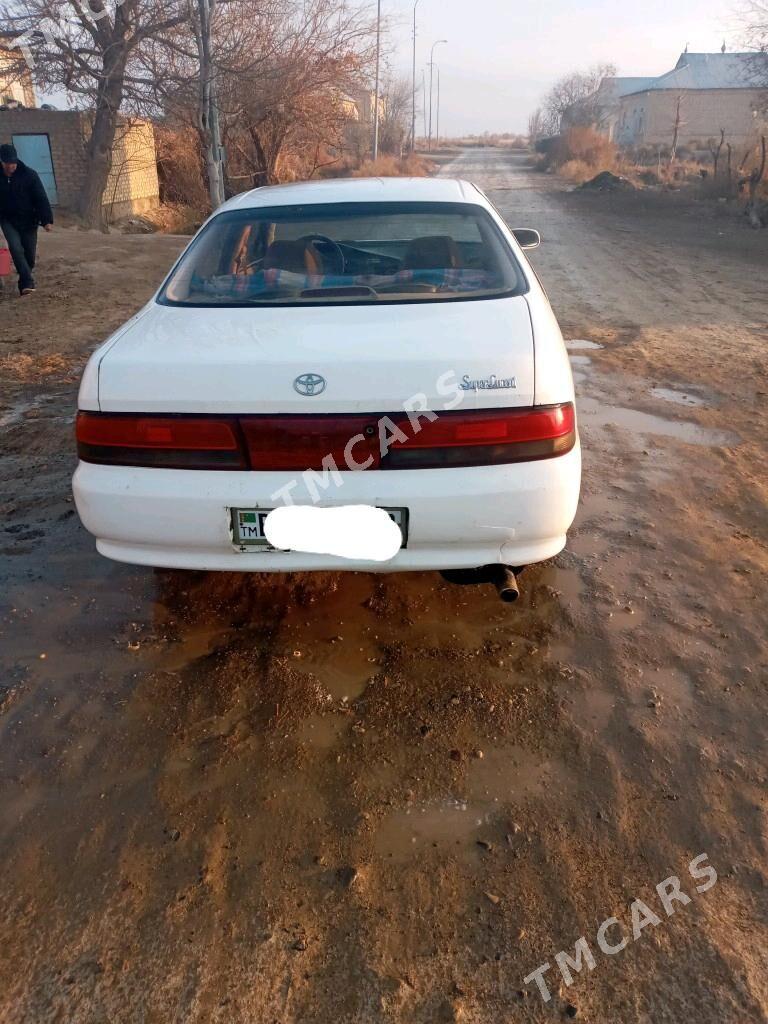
[[247, 527]]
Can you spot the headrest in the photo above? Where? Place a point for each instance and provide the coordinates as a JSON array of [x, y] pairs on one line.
[[296, 256], [431, 252]]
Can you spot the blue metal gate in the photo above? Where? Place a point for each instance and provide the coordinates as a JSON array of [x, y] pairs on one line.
[[35, 151]]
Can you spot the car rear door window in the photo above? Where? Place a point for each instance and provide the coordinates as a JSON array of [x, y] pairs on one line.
[[346, 253]]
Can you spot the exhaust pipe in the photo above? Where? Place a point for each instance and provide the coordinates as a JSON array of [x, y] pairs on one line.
[[503, 577], [506, 583]]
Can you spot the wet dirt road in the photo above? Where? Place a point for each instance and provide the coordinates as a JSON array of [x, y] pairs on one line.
[[381, 798]]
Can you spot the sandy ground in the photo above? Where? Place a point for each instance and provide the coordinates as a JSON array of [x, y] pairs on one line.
[[367, 799]]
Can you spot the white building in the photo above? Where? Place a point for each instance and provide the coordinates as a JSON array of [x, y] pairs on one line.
[[704, 94]]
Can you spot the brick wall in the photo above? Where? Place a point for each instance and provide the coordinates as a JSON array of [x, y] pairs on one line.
[[132, 185], [650, 116], [64, 131]]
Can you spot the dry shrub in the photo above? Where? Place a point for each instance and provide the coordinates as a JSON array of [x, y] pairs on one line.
[[577, 170], [586, 146], [649, 176], [175, 219], [410, 166], [682, 172], [180, 169]]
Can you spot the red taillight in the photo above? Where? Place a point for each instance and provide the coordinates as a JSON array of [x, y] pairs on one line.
[[486, 437], [351, 441], [303, 442], [183, 442]]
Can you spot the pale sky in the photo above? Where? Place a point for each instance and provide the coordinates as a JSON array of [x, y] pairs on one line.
[[501, 56]]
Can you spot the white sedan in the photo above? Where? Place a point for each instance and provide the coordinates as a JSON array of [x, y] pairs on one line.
[[375, 344]]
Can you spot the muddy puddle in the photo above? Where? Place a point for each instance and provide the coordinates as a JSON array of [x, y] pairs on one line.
[[449, 824], [511, 774], [596, 413], [194, 644], [47, 405], [498, 782], [660, 699], [677, 397], [578, 344], [566, 585], [624, 617], [322, 732]]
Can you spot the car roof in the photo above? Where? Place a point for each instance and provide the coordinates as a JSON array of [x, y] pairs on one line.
[[360, 190]]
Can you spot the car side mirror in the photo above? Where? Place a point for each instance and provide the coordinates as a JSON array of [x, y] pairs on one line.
[[527, 238]]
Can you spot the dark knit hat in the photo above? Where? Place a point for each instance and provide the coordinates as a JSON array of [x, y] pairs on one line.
[[8, 154]]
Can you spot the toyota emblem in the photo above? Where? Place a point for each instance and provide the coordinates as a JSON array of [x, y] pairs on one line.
[[309, 384]]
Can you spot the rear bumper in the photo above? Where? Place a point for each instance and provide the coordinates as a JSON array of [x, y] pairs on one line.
[[458, 518]]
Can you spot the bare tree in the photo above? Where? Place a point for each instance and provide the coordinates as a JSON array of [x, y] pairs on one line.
[[755, 19], [187, 77], [573, 100], [755, 30], [280, 71], [394, 123], [85, 47], [295, 98], [536, 126], [676, 129], [716, 150]]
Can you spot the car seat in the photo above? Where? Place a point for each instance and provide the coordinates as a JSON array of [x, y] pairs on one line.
[[431, 252]]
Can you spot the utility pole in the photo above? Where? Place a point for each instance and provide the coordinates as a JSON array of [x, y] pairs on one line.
[[376, 91], [413, 96], [208, 112], [424, 100], [437, 119], [431, 70]]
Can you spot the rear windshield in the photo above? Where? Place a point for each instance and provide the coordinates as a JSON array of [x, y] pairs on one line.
[[345, 253]]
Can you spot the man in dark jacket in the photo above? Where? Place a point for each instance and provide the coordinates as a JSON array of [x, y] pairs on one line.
[[24, 207]]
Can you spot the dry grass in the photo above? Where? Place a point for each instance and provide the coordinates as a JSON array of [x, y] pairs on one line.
[[412, 165], [503, 140], [175, 219], [179, 167], [581, 153], [24, 369], [584, 146], [577, 171]]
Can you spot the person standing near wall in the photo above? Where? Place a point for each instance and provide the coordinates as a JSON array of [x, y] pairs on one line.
[[24, 207]]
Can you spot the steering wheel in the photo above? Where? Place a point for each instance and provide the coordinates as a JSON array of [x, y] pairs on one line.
[[338, 253]]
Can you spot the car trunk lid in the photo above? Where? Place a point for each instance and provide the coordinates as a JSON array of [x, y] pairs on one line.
[[330, 359]]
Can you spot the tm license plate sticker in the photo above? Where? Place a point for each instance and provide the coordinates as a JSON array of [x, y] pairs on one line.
[[248, 532]]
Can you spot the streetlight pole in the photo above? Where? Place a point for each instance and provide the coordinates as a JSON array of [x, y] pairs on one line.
[[424, 100], [437, 119], [376, 91], [413, 96], [431, 69]]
